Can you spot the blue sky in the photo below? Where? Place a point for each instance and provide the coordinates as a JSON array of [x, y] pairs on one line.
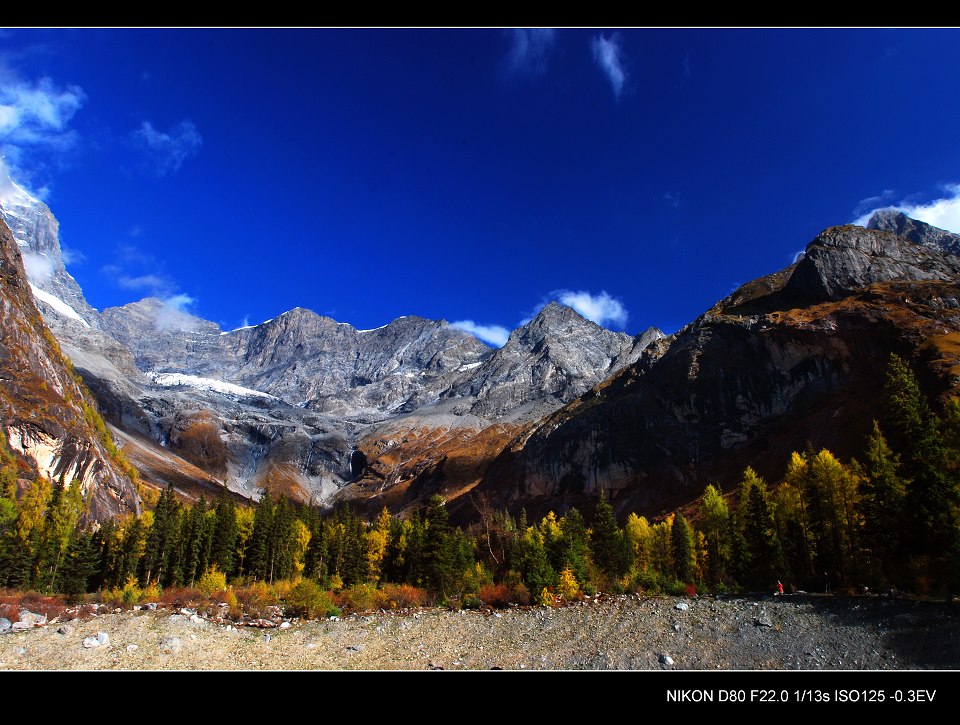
[[472, 174]]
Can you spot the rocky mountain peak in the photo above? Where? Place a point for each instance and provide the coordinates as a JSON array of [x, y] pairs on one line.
[[37, 234], [844, 258], [894, 220]]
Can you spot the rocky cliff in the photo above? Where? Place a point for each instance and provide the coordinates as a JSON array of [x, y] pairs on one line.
[[48, 418]]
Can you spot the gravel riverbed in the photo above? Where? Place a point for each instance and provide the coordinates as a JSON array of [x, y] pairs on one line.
[[628, 632]]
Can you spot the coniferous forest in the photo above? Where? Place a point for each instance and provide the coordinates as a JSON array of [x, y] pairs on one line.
[[889, 519]]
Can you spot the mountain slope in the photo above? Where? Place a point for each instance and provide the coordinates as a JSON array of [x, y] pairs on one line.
[[792, 358], [47, 417]]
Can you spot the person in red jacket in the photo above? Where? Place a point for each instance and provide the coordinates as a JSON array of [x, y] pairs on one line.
[[779, 588]]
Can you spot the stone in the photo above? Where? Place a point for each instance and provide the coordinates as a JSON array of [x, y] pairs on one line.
[[32, 620], [285, 625], [103, 638], [132, 647], [171, 645], [5, 624], [152, 606], [65, 629], [682, 606], [666, 659], [91, 642]]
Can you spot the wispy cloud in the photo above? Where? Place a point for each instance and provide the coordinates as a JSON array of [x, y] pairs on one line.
[[38, 266], [168, 151], [530, 51], [491, 334], [673, 199], [133, 268], [157, 285], [609, 56], [71, 255], [173, 314], [943, 212], [600, 308], [34, 124]]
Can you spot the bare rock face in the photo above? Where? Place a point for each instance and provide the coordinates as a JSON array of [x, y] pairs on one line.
[[891, 220], [843, 259], [41, 404], [551, 360]]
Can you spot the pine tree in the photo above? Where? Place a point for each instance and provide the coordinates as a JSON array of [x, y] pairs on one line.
[[79, 565], [611, 552], [882, 497], [156, 553], [762, 547], [715, 522], [224, 541], [682, 546], [931, 500]]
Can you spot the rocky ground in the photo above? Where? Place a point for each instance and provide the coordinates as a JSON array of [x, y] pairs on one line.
[[799, 632]]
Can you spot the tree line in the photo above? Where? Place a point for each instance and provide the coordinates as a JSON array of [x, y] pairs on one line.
[[888, 519]]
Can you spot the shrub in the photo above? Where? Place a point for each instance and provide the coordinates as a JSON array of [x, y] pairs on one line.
[[359, 597], [213, 580], [253, 599], [125, 596], [547, 598], [176, 597], [500, 595], [568, 588], [308, 600], [400, 596]]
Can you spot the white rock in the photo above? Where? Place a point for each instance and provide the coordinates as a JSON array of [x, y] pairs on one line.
[[132, 647], [285, 625], [666, 659], [91, 642], [682, 606], [103, 638]]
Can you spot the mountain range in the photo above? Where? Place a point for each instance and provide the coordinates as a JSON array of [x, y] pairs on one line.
[[312, 408]]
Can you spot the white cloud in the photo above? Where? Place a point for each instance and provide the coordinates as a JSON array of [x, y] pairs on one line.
[[71, 255], [530, 51], [609, 56], [34, 122], [169, 150], [601, 308], [173, 315], [38, 266], [491, 334], [943, 213], [156, 284]]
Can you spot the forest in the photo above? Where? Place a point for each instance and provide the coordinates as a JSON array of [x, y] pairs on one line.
[[888, 520]]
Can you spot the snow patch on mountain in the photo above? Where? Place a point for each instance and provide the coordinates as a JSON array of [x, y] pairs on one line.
[[59, 305], [206, 384]]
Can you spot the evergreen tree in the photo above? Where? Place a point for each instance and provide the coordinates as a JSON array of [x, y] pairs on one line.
[[161, 537], [79, 565], [931, 500], [609, 546], [438, 551], [682, 546], [715, 523], [224, 541], [882, 496], [762, 546], [259, 548]]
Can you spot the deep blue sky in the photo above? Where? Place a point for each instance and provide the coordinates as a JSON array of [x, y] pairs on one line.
[[467, 174]]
